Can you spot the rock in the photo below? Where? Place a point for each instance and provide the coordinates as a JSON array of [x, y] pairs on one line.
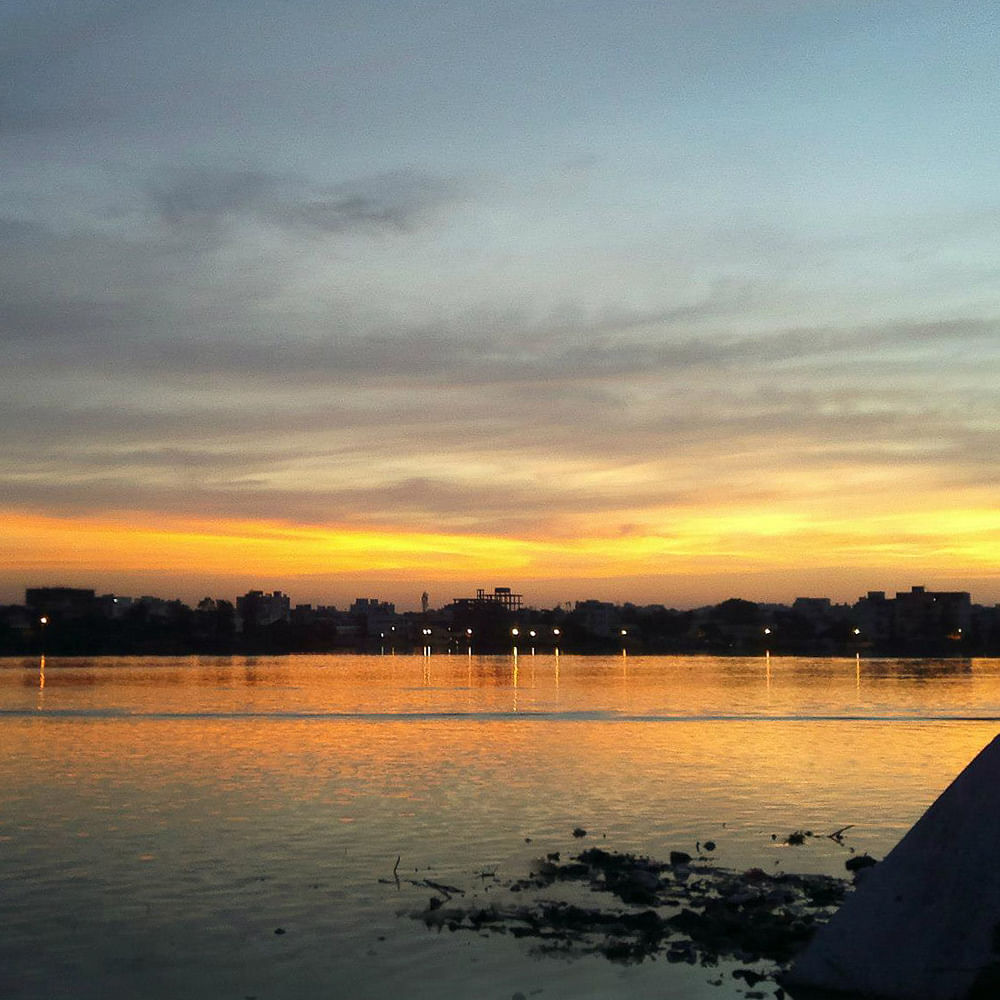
[[749, 976], [709, 846], [644, 878], [545, 868], [743, 896], [682, 951], [855, 864], [680, 858], [579, 832]]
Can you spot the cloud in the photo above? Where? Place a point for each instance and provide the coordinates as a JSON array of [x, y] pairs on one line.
[[430, 503], [89, 335], [171, 358], [203, 198], [399, 201], [471, 454]]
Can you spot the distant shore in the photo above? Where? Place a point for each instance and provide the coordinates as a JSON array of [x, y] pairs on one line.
[[915, 623]]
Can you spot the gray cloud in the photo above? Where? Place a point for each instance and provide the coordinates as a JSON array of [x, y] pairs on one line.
[[532, 354], [423, 503], [206, 197], [202, 196], [395, 201], [180, 288], [242, 435]]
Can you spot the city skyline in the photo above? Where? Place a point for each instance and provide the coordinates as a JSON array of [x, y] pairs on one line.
[[915, 622], [661, 302], [504, 595]]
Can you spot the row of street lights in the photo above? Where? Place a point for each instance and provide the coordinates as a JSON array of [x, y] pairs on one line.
[[515, 633], [531, 635]]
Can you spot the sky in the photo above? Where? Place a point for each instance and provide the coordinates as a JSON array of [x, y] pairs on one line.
[[655, 301]]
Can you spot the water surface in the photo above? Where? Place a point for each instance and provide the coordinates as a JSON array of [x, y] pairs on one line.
[[163, 817]]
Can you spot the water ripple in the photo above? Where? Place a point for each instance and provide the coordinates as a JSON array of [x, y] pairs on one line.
[[483, 716]]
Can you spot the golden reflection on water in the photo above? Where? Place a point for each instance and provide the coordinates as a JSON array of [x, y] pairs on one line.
[[641, 729], [41, 683], [642, 784], [662, 687], [635, 687]]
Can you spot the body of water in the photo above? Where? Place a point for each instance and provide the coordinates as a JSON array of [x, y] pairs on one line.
[[163, 818]]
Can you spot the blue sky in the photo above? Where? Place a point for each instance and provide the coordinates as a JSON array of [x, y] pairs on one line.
[[524, 271]]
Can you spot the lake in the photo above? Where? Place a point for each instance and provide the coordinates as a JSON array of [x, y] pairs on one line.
[[162, 818]]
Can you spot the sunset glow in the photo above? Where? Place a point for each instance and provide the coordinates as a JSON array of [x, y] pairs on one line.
[[944, 543], [665, 303]]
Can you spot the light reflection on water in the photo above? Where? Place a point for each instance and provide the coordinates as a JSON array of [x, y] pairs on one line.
[[161, 818]]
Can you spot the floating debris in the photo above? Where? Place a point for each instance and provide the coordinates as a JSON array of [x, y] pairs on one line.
[[797, 838], [685, 911]]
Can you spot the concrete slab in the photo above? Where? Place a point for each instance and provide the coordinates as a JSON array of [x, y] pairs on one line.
[[924, 924]]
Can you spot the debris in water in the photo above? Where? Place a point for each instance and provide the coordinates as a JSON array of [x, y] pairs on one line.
[[686, 911]]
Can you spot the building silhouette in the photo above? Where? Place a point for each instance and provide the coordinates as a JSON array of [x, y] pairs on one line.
[[258, 610], [501, 598], [60, 602]]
